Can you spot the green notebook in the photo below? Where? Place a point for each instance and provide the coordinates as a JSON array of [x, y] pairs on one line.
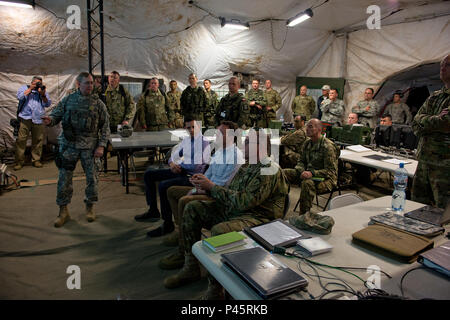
[[224, 241]]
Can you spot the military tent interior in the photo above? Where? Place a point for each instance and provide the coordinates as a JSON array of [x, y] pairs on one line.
[[170, 39]]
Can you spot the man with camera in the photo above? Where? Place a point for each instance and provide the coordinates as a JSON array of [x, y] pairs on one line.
[[33, 99]]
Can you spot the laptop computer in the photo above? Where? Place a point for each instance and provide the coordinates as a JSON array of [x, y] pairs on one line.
[[269, 277], [436, 216]]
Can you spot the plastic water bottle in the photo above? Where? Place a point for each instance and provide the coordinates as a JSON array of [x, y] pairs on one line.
[[282, 118], [400, 183]]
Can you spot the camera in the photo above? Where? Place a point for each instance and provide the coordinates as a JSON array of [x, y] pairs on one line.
[[39, 85], [16, 125]]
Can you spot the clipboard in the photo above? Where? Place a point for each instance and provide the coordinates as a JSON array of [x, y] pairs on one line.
[[275, 233]]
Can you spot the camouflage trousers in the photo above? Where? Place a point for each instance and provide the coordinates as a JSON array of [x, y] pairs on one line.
[[208, 214], [209, 120], [289, 158], [178, 199], [431, 185], [157, 128], [90, 166], [309, 188]]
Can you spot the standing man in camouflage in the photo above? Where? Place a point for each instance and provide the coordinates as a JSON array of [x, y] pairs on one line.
[[432, 125], [173, 99], [325, 91], [85, 123], [303, 104], [257, 102], [250, 199], [233, 106], [119, 103], [367, 109], [292, 144], [399, 110], [317, 169], [273, 100], [333, 108], [153, 108], [212, 100], [193, 100]]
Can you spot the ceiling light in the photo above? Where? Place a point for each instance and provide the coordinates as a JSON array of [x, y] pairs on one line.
[[302, 16], [18, 4], [234, 24]]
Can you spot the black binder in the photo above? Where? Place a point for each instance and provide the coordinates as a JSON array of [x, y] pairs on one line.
[[269, 277]]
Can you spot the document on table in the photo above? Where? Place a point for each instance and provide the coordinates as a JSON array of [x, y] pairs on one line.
[[397, 161], [357, 148], [179, 133], [116, 140]]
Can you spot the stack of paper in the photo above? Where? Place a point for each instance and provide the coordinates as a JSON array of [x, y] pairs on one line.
[[224, 241], [357, 148], [314, 245]]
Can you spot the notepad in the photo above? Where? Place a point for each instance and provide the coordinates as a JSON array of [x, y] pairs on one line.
[[224, 241], [357, 148], [314, 246]]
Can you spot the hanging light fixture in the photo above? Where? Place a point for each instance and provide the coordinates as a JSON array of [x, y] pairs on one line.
[[18, 4], [234, 24], [302, 16]]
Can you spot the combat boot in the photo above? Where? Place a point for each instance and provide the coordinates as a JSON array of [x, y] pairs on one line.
[[172, 261], [215, 290], [172, 239], [63, 217], [190, 273], [90, 215]]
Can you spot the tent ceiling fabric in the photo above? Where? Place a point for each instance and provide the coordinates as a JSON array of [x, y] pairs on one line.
[[170, 39]]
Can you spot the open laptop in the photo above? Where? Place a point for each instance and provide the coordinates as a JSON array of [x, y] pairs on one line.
[[269, 277], [435, 216]]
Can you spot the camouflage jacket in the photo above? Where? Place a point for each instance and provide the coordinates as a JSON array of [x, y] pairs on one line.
[[173, 100], [367, 117], [119, 108], [320, 158], [153, 109], [212, 100], [400, 113], [432, 130], [295, 140], [85, 121], [193, 102], [273, 100], [332, 111], [250, 192], [303, 106], [259, 98], [233, 107]]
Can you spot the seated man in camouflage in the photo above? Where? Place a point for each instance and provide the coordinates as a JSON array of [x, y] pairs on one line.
[[317, 169], [292, 143], [256, 195]]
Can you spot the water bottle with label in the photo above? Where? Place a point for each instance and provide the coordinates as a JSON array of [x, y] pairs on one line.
[[400, 183], [282, 118]]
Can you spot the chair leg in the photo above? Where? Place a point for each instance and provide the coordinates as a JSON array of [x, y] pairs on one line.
[[329, 198], [296, 205]]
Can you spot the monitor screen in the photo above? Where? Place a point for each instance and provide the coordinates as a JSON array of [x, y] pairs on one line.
[[383, 135]]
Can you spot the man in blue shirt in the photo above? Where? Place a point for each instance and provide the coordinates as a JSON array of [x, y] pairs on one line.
[[33, 100], [189, 157]]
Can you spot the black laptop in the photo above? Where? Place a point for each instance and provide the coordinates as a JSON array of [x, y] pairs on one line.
[[436, 216], [269, 277]]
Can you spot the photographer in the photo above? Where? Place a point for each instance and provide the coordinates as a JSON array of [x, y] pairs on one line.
[[33, 99]]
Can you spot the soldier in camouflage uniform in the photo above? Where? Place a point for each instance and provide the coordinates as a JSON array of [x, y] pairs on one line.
[[432, 126], [153, 108], [257, 102], [119, 103], [212, 100], [333, 108], [399, 111], [250, 199], [367, 109], [85, 124], [193, 100], [303, 104], [273, 100], [173, 99], [233, 106], [317, 169], [292, 144]]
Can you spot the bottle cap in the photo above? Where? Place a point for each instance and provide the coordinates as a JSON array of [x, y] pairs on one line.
[[402, 165]]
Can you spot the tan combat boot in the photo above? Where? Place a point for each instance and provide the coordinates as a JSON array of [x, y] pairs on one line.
[[215, 290], [90, 215], [190, 273], [63, 217]]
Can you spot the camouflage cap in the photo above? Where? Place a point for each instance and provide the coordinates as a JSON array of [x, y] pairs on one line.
[[313, 222], [326, 87]]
